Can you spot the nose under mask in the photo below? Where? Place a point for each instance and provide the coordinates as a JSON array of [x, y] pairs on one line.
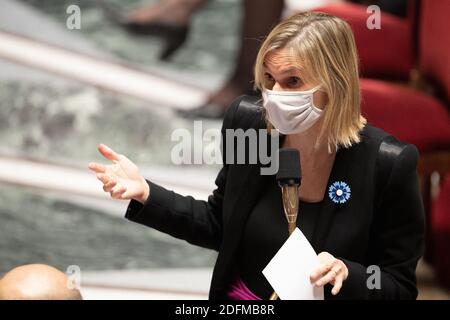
[[291, 111]]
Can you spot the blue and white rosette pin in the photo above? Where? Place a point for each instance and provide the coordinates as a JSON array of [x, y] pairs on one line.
[[339, 192]]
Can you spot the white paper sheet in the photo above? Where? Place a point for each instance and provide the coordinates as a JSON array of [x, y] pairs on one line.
[[289, 270]]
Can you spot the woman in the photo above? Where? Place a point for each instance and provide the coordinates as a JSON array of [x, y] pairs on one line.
[[359, 197]]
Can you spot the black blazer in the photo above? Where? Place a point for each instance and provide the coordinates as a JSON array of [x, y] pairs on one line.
[[382, 224]]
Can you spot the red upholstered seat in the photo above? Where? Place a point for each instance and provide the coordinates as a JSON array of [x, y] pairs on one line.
[[409, 115], [440, 225], [434, 48], [383, 53]]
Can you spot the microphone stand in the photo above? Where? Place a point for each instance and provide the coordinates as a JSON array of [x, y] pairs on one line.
[[289, 193]]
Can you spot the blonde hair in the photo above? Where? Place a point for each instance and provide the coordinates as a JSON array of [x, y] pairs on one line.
[[326, 48]]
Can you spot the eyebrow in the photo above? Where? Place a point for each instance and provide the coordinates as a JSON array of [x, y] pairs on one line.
[[285, 71]]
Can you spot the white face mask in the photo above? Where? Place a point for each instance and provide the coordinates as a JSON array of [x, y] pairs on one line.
[[291, 111]]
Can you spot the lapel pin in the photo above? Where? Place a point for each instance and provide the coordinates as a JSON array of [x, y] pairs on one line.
[[339, 192]]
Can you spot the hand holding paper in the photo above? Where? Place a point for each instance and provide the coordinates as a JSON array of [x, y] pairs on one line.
[[290, 269], [331, 270]]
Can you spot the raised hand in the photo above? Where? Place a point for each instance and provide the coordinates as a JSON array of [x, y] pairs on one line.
[[121, 178]]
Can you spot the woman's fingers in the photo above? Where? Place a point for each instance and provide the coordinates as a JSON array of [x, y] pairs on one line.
[[337, 284], [117, 191], [107, 187], [108, 153], [333, 276], [329, 277], [110, 175], [336, 267], [103, 178], [326, 261], [126, 195], [322, 269], [331, 270], [110, 185], [97, 167]]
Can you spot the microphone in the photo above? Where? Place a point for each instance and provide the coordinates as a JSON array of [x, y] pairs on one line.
[[289, 178]]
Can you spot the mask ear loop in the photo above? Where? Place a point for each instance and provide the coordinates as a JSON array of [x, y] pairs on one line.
[[316, 109]]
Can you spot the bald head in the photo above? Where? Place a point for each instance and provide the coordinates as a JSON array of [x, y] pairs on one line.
[[36, 282]]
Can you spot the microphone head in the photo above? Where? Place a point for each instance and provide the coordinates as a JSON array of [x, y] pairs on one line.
[[289, 171]]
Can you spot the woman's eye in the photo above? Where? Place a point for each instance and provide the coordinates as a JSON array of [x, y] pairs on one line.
[[268, 77], [294, 81]]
